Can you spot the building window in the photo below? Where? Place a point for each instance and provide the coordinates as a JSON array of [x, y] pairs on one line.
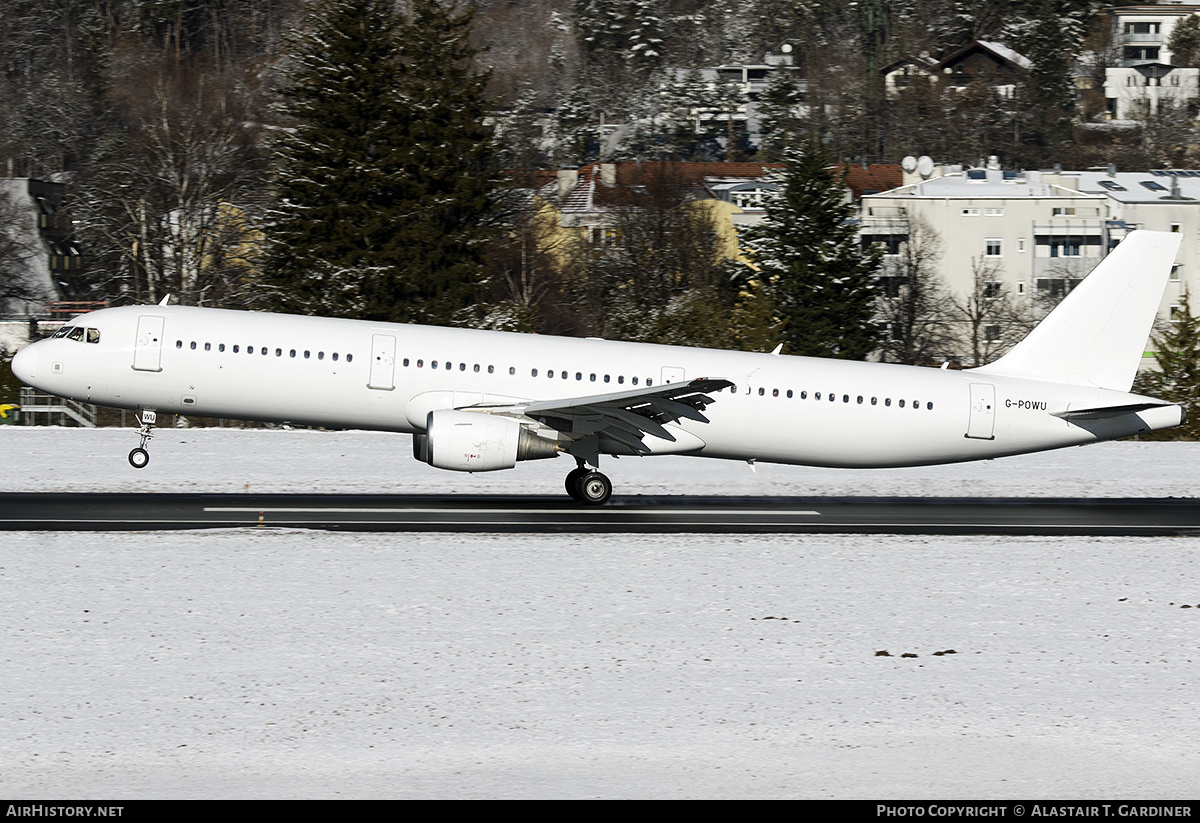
[[993, 248]]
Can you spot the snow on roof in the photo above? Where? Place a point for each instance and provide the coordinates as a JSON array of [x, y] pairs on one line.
[[1007, 53]]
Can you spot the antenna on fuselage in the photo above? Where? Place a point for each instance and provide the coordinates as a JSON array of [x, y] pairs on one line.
[[163, 302]]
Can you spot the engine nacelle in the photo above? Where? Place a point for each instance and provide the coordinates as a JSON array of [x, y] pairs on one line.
[[471, 442]]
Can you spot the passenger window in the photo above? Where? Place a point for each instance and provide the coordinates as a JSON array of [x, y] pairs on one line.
[[593, 378], [208, 346], [476, 368], [649, 382], [578, 375], [774, 392], [292, 353], [491, 369], [804, 395], [816, 395], [420, 363], [432, 363], [279, 352], [845, 398], [178, 343], [512, 369], [606, 378], [901, 404], [221, 347], [620, 378], [236, 348], [533, 372], [307, 353], [789, 393], [832, 397], [887, 401], [193, 346], [860, 399], [874, 401], [461, 366], [264, 350], [335, 356], [929, 406], [321, 356], [761, 391]]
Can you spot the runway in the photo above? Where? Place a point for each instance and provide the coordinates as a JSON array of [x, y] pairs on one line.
[[623, 514]]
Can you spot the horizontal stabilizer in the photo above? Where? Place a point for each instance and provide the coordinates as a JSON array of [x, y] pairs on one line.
[[1103, 412]]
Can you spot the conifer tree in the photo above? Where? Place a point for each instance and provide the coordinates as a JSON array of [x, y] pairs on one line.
[[819, 279], [385, 185], [1178, 379]]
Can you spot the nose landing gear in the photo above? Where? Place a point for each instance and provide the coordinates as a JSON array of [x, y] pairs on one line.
[[139, 457]]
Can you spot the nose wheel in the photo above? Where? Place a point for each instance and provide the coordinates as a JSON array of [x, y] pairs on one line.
[[588, 486], [139, 457]]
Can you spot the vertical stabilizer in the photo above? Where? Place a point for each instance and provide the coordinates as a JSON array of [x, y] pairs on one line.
[[1096, 335]]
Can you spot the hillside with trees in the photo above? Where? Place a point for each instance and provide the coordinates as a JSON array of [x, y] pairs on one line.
[[384, 159]]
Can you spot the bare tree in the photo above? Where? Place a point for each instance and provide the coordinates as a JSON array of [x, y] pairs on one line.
[[660, 247], [524, 267], [19, 246], [990, 318], [169, 199], [912, 301]]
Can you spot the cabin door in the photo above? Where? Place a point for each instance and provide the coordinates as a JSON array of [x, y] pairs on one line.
[[383, 362], [982, 423], [147, 348]]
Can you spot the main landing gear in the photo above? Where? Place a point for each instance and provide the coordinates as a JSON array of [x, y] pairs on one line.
[[588, 486], [139, 457]]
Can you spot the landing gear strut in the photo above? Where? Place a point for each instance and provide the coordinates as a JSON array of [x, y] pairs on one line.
[[588, 486], [139, 457]]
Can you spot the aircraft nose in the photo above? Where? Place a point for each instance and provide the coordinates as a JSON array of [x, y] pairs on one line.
[[24, 364]]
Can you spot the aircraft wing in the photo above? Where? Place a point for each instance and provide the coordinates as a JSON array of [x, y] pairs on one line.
[[625, 417]]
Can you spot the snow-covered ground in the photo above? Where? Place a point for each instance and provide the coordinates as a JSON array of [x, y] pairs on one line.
[[264, 663], [230, 460]]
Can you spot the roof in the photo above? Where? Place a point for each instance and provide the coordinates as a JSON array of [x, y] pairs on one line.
[[990, 183], [874, 178], [997, 50], [591, 194]]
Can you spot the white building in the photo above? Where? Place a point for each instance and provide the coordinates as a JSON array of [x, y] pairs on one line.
[[1039, 232]]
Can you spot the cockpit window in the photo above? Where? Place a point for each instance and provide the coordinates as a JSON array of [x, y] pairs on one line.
[[64, 331], [93, 335], [76, 333]]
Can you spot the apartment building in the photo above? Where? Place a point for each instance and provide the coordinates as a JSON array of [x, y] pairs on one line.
[[1037, 232]]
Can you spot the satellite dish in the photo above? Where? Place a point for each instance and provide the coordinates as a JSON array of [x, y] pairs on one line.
[[925, 166], [909, 164]]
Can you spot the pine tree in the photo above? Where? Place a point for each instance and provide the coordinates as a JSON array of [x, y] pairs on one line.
[[1178, 378], [811, 263], [386, 189]]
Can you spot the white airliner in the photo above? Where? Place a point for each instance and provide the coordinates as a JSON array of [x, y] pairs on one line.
[[479, 400]]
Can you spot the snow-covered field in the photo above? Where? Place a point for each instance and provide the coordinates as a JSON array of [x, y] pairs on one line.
[[301, 664]]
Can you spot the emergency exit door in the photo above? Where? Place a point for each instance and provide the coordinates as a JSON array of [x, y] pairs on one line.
[[383, 362]]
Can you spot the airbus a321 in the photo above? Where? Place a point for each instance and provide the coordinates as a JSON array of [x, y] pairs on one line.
[[478, 401]]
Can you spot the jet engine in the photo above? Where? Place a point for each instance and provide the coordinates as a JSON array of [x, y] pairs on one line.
[[473, 442]]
